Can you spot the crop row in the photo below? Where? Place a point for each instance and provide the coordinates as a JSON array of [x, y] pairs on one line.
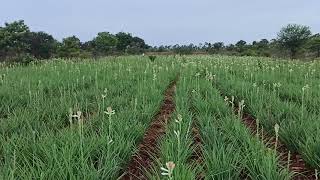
[[85, 120], [72, 133]]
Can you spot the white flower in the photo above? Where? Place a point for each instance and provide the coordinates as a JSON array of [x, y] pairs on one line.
[[109, 140], [78, 115], [168, 171], [109, 111], [170, 165], [232, 100], [254, 85], [177, 133], [179, 120], [210, 77], [277, 85], [306, 87], [276, 128], [241, 103], [154, 77]]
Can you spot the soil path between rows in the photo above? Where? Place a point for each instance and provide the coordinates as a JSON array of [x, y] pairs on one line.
[[197, 154], [143, 160], [297, 165]]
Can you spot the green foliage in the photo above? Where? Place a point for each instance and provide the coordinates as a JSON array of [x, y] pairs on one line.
[[152, 58], [39, 141], [41, 136], [281, 92], [241, 43], [42, 45], [16, 39], [24, 59], [218, 46], [228, 150], [249, 52], [241, 46], [13, 38], [70, 47], [314, 44], [104, 43], [184, 49], [127, 43], [293, 37]]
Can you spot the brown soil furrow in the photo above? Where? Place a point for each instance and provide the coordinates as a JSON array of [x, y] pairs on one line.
[[197, 143], [296, 164], [143, 160], [197, 155]]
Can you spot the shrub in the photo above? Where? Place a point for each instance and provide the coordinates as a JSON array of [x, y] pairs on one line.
[[152, 58]]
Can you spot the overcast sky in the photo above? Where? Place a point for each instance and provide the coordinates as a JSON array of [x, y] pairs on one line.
[[162, 22]]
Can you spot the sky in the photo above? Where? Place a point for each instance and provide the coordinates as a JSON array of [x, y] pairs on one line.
[[164, 22]]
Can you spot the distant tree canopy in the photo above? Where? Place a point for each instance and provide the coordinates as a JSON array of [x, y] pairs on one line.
[[104, 43], [19, 44], [17, 40], [314, 44], [293, 37], [128, 43], [41, 45], [70, 47], [218, 46], [13, 38]]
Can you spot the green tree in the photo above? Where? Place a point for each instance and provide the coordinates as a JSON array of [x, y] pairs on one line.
[[136, 46], [183, 49], [261, 48], [218, 46], [13, 38], [104, 43], [2, 43], [241, 46], [263, 43], [241, 43], [124, 40], [314, 44], [230, 47], [293, 37], [42, 45], [128, 43], [70, 47]]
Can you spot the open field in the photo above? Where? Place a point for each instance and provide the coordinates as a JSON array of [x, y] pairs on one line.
[[183, 117]]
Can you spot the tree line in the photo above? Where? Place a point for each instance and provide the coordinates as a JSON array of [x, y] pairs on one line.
[[19, 44], [293, 41]]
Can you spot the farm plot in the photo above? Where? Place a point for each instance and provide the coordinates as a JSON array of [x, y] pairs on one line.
[[298, 120], [227, 148], [77, 120], [194, 117]]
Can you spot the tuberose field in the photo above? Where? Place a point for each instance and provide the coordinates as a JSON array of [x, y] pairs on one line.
[[183, 117]]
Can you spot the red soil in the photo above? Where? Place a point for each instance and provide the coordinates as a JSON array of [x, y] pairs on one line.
[[143, 160], [297, 165], [197, 155]]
